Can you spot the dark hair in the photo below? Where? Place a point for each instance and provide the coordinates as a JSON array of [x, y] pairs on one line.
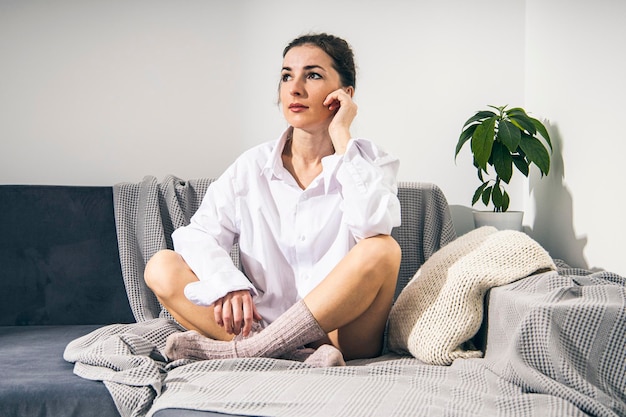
[[337, 48]]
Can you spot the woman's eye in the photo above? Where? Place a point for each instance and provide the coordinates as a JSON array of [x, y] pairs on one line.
[[314, 76], [285, 77]]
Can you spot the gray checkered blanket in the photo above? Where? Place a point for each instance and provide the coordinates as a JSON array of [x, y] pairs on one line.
[[554, 345]]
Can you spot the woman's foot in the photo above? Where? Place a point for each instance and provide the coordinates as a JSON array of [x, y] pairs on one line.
[[296, 327]]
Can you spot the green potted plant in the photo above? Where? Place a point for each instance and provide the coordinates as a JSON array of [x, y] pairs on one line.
[[503, 139]]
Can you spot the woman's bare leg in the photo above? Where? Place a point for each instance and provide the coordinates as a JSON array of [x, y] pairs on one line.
[[354, 300], [166, 275]]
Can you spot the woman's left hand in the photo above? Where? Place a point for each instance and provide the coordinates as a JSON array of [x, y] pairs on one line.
[[235, 312], [340, 102]]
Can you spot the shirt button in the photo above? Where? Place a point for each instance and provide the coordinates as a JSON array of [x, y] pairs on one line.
[[302, 238]]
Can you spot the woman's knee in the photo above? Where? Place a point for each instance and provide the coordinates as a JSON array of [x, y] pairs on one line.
[[160, 271], [381, 251]]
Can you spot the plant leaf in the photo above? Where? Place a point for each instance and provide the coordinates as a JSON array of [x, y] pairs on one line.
[[479, 116], [509, 135], [521, 164], [523, 122], [536, 153], [499, 108], [542, 130], [515, 111], [496, 196], [487, 195], [479, 192], [502, 161], [464, 137], [482, 142], [480, 174], [505, 201]]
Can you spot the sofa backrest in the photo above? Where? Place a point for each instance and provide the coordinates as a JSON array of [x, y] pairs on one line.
[[60, 259], [59, 262]]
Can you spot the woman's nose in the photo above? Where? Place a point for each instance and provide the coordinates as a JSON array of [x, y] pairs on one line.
[[294, 91], [296, 88]]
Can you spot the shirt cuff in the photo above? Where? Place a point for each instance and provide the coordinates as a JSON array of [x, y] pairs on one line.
[[205, 293]]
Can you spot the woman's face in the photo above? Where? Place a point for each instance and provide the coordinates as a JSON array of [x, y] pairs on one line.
[[307, 78]]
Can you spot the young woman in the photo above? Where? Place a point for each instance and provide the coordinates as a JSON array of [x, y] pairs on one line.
[[312, 212]]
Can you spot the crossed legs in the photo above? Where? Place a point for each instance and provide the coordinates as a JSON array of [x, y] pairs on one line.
[[350, 306], [167, 274], [353, 302]]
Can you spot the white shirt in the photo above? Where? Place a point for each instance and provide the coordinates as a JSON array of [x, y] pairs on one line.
[[289, 238]]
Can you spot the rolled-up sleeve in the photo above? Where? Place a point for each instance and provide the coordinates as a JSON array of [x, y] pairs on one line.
[[369, 189], [206, 242]]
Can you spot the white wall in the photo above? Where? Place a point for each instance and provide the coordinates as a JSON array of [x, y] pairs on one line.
[[100, 92], [97, 92], [576, 66]]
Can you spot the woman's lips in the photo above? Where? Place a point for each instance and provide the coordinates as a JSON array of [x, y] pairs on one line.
[[297, 107]]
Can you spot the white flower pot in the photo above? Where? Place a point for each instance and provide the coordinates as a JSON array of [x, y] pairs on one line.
[[508, 220]]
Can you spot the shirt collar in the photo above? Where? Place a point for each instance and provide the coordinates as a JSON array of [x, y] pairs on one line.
[[330, 164], [274, 165]]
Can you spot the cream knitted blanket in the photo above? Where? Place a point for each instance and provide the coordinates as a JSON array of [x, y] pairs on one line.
[[441, 308]]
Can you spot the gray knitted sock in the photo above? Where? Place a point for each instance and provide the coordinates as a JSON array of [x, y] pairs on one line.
[[294, 328]]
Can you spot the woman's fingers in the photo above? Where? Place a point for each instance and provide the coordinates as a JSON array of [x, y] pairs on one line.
[[340, 101], [336, 99], [248, 307], [227, 314], [250, 313], [236, 312], [256, 316], [217, 312]]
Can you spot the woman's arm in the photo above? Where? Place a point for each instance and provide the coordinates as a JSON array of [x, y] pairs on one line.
[[366, 173], [206, 242], [369, 188]]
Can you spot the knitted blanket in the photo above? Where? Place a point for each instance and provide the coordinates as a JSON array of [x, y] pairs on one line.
[[441, 309]]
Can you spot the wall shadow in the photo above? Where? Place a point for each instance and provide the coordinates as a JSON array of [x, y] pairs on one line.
[[462, 218], [553, 225]]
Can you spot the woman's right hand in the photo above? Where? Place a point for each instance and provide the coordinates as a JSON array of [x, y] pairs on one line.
[[236, 312], [340, 101]]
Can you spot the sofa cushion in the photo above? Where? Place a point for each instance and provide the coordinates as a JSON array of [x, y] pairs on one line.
[[36, 381], [59, 262]]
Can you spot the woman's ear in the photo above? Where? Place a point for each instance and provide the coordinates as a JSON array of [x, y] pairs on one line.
[[349, 90]]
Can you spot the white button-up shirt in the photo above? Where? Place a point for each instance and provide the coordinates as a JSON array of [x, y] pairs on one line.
[[289, 238]]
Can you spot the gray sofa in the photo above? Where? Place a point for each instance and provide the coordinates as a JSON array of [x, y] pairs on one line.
[[61, 278], [71, 262]]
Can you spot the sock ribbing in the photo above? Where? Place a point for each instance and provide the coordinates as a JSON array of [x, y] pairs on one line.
[[293, 329]]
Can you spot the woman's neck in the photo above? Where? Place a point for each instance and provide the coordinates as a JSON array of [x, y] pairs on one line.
[[303, 153], [310, 147]]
